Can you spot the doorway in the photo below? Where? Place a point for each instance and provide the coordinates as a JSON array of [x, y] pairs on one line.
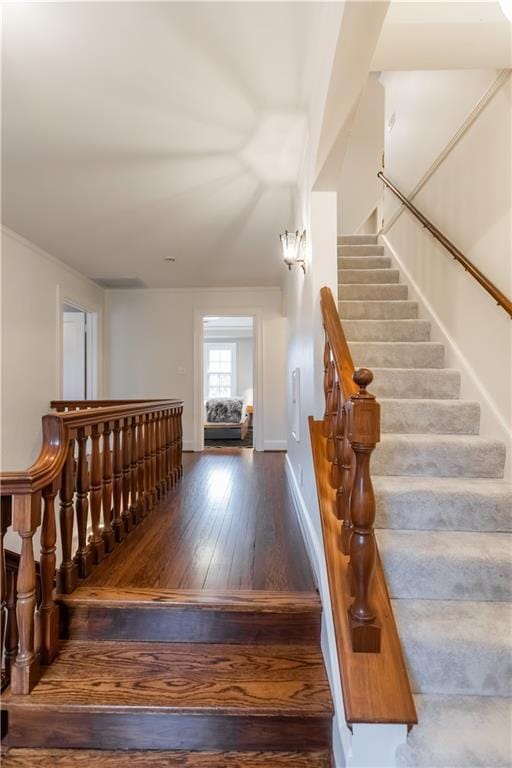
[[79, 363], [228, 381], [220, 329]]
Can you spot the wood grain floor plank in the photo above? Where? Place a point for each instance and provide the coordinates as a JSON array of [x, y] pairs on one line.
[[229, 523], [86, 758]]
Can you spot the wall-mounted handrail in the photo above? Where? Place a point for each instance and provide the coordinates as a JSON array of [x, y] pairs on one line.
[[108, 465], [499, 297]]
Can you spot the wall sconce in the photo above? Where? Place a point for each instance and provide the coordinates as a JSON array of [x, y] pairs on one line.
[[293, 244]]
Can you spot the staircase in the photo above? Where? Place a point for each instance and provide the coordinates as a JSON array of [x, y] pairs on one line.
[[200, 678], [444, 518]]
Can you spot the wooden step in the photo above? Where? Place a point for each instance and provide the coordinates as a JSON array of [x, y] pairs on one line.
[[121, 695], [88, 758], [190, 616]]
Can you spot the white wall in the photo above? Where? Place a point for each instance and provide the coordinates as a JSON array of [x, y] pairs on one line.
[[150, 347], [32, 282], [469, 198], [360, 190]]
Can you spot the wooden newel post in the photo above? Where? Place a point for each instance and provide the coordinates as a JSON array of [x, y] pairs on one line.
[[363, 435]]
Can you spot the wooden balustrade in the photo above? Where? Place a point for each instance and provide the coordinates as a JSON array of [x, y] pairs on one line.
[[109, 462], [351, 426]]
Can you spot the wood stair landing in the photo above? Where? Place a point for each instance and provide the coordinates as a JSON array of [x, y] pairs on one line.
[[164, 670], [87, 758]]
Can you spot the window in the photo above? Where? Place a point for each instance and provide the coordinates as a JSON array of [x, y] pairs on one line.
[[220, 370]]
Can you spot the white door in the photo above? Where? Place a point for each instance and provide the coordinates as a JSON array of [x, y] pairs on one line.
[[74, 357]]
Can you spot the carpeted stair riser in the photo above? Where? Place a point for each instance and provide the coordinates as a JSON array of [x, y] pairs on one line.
[[447, 565], [397, 354], [411, 383], [369, 292], [357, 239], [436, 741], [438, 456], [363, 262], [456, 647], [361, 251], [443, 504], [386, 330], [378, 310], [439, 417], [373, 276]]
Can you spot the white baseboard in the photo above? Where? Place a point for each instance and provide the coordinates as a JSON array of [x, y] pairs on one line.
[[275, 445], [473, 388], [188, 445]]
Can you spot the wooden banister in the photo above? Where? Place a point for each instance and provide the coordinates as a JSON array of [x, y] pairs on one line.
[[93, 455], [374, 679], [501, 300]]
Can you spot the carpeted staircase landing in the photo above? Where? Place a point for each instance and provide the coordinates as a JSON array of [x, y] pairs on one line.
[[444, 517]]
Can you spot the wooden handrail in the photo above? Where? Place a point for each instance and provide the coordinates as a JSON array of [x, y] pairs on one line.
[[109, 462], [499, 297]]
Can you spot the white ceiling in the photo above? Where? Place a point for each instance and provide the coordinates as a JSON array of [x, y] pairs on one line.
[[137, 131], [444, 35]]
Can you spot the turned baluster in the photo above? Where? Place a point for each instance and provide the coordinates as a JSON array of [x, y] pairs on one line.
[[173, 437], [96, 492], [11, 630], [180, 442], [328, 382], [26, 517], [168, 460], [158, 454], [106, 500], [335, 400], [117, 482], [346, 477], [163, 457], [68, 571], [48, 611], [5, 522], [328, 423], [84, 554], [147, 462], [338, 451], [135, 510], [141, 501], [126, 472], [153, 459], [363, 434]]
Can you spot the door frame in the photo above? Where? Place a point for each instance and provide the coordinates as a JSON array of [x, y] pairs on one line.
[[257, 367], [94, 348]]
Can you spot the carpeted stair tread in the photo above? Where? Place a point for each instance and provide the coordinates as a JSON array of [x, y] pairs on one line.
[[397, 354], [387, 330], [456, 646], [416, 383], [357, 239], [378, 310], [439, 455], [459, 732], [368, 276], [443, 503], [429, 416], [373, 292], [366, 261], [447, 565], [361, 251]]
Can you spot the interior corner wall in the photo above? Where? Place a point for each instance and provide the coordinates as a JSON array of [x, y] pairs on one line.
[[31, 280], [359, 190], [150, 348], [468, 197]]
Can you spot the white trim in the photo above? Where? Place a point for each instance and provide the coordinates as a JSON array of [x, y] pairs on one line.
[[468, 122], [95, 319], [275, 445], [45, 255], [479, 391], [199, 289], [258, 416]]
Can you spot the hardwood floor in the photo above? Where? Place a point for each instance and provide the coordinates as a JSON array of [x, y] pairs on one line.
[[228, 525]]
